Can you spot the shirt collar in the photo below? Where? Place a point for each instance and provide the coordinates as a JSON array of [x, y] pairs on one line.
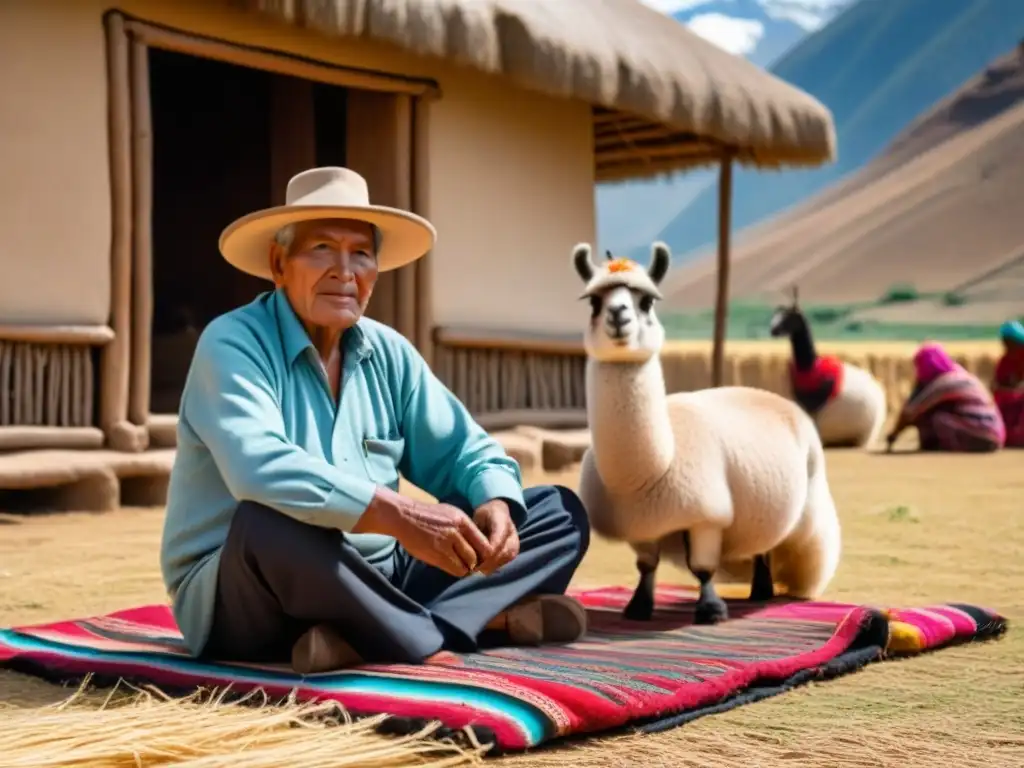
[[296, 340]]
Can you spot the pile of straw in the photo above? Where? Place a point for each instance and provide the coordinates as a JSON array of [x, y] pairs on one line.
[[144, 727]]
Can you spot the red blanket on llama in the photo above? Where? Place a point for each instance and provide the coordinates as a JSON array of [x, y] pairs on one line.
[[817, 385]]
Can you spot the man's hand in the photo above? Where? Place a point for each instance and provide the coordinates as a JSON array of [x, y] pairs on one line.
[[437, 534], [494, 519]]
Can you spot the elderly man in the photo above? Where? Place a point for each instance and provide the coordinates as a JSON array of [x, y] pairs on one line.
[[285, 534]]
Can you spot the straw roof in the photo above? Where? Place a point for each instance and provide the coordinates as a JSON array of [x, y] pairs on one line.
[[664, 98]]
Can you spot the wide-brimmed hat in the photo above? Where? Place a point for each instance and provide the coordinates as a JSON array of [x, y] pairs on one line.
[[326, 193]]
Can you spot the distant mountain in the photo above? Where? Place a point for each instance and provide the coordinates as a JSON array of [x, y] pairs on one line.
[[936, 218], [633, 213], [877, 66]]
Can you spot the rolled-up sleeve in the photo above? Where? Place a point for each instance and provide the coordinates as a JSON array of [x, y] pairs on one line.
[[233, 408], [447, 453]]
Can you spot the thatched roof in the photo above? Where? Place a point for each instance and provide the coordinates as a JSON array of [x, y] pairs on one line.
[[664, 98]]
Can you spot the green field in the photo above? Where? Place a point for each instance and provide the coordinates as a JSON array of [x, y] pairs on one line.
[[750, 320]]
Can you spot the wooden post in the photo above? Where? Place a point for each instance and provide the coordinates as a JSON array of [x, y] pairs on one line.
[[406, 311], [421, 205], [115, 359], [722, 295], [142, 237], [292, 132]]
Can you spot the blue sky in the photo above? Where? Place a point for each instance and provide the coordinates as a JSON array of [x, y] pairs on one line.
[[732, 25]]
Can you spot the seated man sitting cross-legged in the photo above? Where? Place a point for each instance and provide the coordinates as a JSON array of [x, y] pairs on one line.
[[285, 536]]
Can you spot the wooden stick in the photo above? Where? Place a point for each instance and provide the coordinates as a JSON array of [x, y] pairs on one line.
[[722, 295], [142, 239], [114, 361]]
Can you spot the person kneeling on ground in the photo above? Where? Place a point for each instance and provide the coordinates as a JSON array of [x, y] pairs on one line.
[[1008, 386], [285, 534], [951, 409]]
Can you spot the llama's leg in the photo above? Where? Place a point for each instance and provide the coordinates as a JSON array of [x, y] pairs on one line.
[[704, 552], [762, 589], [641, 606]]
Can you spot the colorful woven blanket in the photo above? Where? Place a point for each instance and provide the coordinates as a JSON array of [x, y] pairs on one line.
[[651, 675]]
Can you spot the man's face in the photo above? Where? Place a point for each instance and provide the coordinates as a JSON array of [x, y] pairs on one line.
[[328, 272]]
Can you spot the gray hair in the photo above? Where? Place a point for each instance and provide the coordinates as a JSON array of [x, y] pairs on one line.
[[286, 236]]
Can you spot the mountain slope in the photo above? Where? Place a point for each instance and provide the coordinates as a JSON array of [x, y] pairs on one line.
[[939, 210], [877, 66]]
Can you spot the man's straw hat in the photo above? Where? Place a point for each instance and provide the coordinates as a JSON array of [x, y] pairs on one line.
[[326, 193]]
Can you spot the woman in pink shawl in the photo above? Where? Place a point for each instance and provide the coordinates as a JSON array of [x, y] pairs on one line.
[[950, 408]]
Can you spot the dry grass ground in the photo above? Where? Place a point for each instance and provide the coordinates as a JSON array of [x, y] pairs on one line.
[[917, 529]]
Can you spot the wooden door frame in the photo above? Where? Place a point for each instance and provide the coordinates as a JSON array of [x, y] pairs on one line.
[[125, 362]]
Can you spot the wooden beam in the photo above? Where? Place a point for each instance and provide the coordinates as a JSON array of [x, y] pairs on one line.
[[279, 62], [604, 117], [722, 294], [85, 335], [517, 341], [640, 134], [655, 152], [626, 124], [641, 167]]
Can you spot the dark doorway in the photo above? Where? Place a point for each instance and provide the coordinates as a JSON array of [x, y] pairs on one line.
[[225, 141]]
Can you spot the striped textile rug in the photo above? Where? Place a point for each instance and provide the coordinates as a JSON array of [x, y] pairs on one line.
[[647, 675]]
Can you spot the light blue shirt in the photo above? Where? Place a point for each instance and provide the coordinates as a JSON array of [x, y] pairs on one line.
[[257, 422]]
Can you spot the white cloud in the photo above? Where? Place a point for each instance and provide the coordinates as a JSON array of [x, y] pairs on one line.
[[808, 14], [674, 6], [737, 36]]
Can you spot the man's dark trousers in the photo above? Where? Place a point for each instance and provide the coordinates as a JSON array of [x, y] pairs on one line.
[[278, 577]]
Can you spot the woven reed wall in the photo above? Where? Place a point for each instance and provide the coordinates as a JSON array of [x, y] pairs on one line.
[[685, 371], [46, 384], [492, 380]]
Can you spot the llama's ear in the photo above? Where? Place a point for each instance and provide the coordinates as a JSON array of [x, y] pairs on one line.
[[796, 296], [661, 258], [608, 255], [581, 259]]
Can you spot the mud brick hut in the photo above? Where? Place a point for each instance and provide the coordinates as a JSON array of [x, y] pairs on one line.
[[131, 135]]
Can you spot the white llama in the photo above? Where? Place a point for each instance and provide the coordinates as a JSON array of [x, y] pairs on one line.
[[847, 403], [728, 480]]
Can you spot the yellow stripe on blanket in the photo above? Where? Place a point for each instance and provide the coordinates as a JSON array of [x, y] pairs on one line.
[[903, 637]]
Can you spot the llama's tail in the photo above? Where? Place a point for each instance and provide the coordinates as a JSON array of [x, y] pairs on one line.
[[808, 559]]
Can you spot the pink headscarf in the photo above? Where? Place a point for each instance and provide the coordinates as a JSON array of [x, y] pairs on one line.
[[931, 361]]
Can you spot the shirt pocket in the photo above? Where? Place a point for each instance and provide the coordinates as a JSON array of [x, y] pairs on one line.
[[382, 459]]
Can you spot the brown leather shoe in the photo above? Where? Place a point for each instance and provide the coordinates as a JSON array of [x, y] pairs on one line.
[[546, 619], [322, 649]]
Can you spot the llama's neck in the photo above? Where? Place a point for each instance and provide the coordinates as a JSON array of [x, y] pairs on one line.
[[632, 439], [804, 353]]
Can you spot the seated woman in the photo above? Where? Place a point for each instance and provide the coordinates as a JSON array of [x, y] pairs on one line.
[[951, 409], [1008, 386]]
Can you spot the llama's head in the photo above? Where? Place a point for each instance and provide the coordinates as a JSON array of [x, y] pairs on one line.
[[788, 318], [623, 327]]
